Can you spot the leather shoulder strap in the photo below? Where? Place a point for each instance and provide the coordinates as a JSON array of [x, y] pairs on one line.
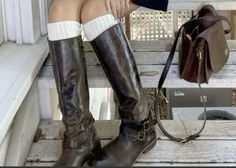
[[166, 70]]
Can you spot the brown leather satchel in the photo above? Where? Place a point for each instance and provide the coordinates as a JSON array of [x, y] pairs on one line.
[[203, 51]]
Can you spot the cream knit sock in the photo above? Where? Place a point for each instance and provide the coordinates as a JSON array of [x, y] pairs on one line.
[[97, 26], [63, 30]]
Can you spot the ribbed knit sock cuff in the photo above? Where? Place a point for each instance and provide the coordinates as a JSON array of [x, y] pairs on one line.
[[63, 30], [97, 26]]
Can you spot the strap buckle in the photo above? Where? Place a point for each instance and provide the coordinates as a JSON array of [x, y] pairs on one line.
[[146, 125], [141, 135]]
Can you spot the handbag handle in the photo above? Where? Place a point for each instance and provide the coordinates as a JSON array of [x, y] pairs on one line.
[[212, 18], [204, 19]]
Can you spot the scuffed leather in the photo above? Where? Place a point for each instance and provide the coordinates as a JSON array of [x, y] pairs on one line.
[[125, 149], [117, 60], [113, 51], [80, 136]]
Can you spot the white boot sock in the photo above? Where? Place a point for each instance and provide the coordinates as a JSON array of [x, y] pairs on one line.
[[97, 26], [63, 30]]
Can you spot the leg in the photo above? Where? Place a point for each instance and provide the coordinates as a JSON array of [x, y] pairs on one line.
[[61, 10], [137, 132], [80, 137], [93, 9]]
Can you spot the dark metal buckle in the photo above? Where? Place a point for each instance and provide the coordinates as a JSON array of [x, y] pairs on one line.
[[141, 135], [146, 125]]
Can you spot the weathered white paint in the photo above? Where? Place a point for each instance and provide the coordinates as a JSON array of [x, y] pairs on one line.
[[50, 164], [43, 7], [214, 129], [19, 65], [22, 20], [53, 130], [24, 127], [30, 21], [46, 104], [154, 46], [215, 146], [101, 100], [149, 75], [196, 4], [192, 113], [10, 24], [171, 164], [1, 24], [4, 146], [150, 58]]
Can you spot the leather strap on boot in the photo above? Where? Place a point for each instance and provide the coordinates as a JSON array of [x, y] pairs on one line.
[[137, 132], [77, 140]]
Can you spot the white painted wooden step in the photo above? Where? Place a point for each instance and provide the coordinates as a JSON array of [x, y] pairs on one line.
[[150, 58], [19, 65], [24, 127], [192, 113], [4, 147], [195, 4], [216, 146]]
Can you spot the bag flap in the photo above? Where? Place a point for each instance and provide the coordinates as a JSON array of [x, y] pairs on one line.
[[217, 45]]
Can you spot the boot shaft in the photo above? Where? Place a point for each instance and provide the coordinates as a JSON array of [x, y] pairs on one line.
[[70, 76], [117, 60]]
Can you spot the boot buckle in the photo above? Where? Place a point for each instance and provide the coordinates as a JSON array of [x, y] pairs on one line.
[[141, 135], [146, 125]]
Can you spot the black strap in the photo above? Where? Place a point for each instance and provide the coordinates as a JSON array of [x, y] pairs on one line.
[[165, 71]]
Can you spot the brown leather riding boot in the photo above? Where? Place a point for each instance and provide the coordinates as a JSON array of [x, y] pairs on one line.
[[80, 137], [137, 133]]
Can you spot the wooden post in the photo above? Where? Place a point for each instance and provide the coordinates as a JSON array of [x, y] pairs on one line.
[[127, 27], [233, 23]]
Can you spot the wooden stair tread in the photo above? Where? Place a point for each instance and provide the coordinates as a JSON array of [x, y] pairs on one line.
[[215, 146]]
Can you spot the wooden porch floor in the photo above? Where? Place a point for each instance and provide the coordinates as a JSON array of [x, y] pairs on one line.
[[215, 147]]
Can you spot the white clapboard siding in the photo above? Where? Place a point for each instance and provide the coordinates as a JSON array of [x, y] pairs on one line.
[[150, 58], [19, 65], [215, 146]]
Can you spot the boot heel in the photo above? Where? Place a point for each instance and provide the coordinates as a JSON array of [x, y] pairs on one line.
[[149, 147]]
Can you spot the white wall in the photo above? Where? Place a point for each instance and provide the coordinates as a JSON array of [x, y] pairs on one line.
[[10, 20], [44, 5], [1, 25], [30, 20], [23, 20]]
